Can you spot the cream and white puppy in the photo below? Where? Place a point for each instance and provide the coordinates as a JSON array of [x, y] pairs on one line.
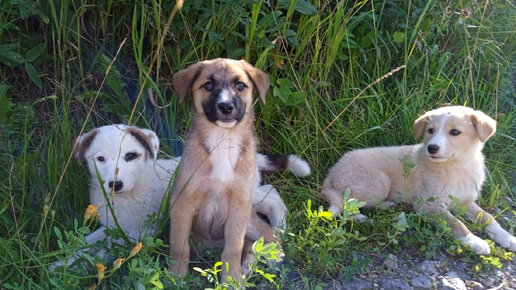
[[450, 166]]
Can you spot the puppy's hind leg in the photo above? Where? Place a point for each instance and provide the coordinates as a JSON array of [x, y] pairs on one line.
[[365, 184]]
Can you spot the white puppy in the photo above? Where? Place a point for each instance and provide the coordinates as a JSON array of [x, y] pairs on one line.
[[125, 174], [124, 157], [450, 165]]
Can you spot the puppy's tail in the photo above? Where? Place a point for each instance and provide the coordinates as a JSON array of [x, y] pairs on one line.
[[290, 162]]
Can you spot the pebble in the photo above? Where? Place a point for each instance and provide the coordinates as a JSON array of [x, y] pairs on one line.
[[395, 283], [428, 267], [451, 284], [391, 262], [357, 284], [421, 282]]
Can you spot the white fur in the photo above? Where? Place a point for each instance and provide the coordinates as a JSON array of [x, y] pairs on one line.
[[224, 97], [145, 181], [480, 246], [266, 200], [298, 166], [226, 125], [501, 236], [224, 152]]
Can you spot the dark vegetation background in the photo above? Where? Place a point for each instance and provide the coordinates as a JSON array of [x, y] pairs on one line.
[[344, 75]]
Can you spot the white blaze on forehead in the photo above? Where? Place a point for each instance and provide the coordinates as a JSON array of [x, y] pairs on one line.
[[224, 97]]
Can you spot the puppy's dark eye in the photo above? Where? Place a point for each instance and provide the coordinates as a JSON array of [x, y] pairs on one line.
[[131, 156], [240, 86], [100, 159], [454, 132], [431, 131], [209, 86]]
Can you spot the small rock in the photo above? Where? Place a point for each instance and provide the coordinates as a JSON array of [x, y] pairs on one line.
[[451, 274], [396, 283], [451, 284], [489, 282], [474, 285], [391, 262], [421, 281], [428, 267], [357, 284]]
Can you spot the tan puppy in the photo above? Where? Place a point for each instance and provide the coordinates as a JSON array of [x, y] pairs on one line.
[[449, 163], [212, 192]]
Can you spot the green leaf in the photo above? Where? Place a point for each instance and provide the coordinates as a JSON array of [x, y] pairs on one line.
[[35, 52], [399, 37], [296, 98], [305, 7], [325, 215], [10, 57], [58, 233], [158, 284], [285, 83], [33, 74]]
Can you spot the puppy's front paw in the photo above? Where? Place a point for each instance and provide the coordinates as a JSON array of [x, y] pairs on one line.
[[501, 236], [509, 243], [480, 246]]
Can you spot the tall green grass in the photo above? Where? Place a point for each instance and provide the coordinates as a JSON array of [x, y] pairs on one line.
[[344, 75]]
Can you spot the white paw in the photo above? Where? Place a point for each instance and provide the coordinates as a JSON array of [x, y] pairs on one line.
[[501, 236], [480, 246], [508, 243]]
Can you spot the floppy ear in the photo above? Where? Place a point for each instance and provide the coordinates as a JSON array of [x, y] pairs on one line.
[[83, 143], [147, 138], [484, 125], [259, 78], [184, 79], [420, 125]]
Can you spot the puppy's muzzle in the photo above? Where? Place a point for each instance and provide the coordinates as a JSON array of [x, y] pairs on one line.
[[224, 107]]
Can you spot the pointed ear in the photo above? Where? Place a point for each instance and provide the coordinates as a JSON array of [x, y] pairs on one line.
[[420, 125], [184, 79], [83, 143], [147, 138], [484, 125], [259, 78]]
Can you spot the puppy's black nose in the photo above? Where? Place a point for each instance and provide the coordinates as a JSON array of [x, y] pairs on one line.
[[225, 108], [432, 148], [118, 185]]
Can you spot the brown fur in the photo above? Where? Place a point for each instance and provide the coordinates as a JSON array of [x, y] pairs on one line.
[[216, 206]]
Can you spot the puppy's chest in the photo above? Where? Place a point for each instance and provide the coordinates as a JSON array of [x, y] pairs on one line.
[[224, 152], [463, 184]]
